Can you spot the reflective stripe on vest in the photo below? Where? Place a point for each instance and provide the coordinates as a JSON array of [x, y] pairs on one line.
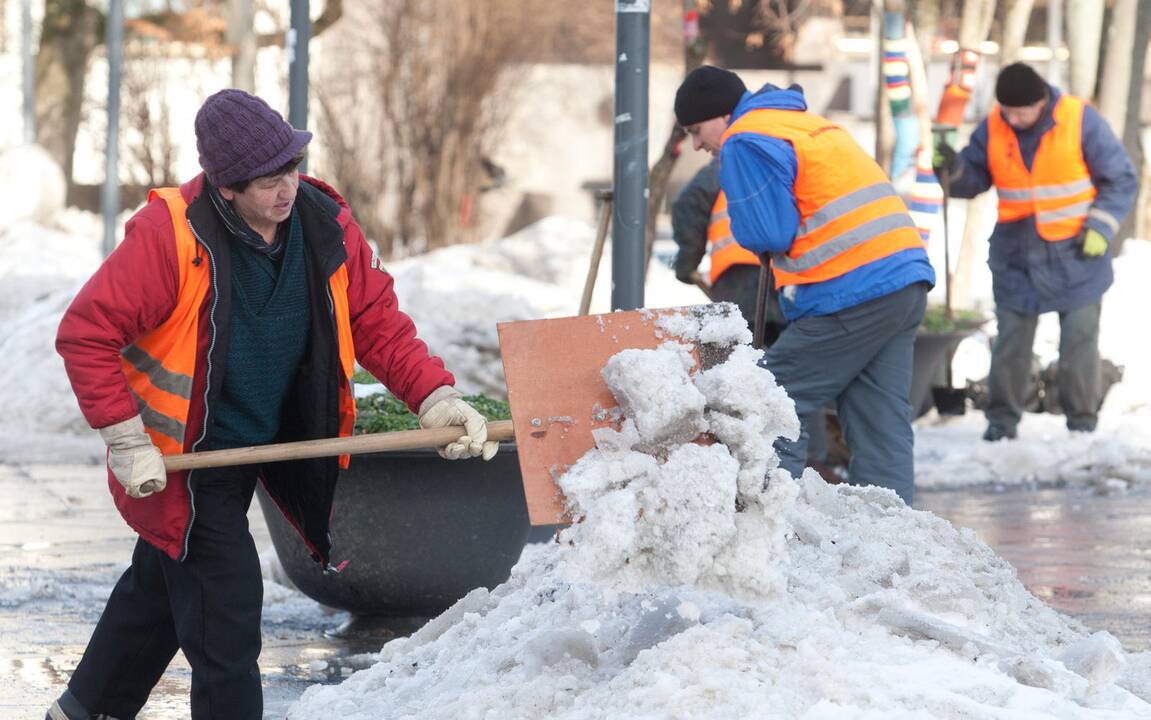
[[722, 249], [160, 366], [850, 214], [1057, 190]]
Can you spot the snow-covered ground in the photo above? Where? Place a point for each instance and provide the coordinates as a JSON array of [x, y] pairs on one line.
[[691, 588], [812, 600]]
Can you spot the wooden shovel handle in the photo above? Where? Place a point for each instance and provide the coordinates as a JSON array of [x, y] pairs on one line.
[[326, 447]]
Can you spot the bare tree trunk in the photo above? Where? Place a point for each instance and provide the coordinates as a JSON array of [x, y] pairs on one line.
[[1084, 32], [1136, 223], [976, 24], [1015, 30], [71, 32], [241, 35], [694, 47], [925, 18], [884, 135], [1115, 81]]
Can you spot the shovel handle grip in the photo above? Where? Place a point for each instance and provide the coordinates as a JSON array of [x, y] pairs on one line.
[[498, 430]]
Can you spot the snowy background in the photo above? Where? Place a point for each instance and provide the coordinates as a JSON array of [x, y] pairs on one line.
[[814, 600]]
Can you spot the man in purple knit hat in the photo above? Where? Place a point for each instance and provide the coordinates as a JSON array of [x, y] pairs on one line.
[[233, 314]]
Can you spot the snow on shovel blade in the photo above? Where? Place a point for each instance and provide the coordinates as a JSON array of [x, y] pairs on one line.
[[558, 396]]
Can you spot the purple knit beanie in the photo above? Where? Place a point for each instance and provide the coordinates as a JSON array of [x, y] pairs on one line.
[[240, 138]]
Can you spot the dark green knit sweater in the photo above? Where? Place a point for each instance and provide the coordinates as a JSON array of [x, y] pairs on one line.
[[268, 336]]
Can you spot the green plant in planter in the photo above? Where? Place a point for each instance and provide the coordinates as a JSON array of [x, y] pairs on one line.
[[935, 320], [384, 412]]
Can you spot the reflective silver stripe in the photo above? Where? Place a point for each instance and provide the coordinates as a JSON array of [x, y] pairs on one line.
[[721, 244], [1104, 217], [1054, 191], [844, 242], [1007, 194], [1071, 211], [173, 382], [843, 205], [719, 216], [158, 421], [1046, 192]]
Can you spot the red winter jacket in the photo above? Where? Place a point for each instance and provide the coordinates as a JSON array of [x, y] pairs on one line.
[[136, 289]]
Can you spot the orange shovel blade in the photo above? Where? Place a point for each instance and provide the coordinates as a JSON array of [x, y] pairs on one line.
[[558, 396]]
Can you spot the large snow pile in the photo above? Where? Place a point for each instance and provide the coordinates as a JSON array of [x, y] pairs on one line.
[[701, 581]]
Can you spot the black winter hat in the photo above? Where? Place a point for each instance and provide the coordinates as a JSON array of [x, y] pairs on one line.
[[707, 92], [1018, 85]]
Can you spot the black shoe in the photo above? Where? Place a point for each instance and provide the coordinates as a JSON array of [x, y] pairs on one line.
[[995, 433], [1082, 426]]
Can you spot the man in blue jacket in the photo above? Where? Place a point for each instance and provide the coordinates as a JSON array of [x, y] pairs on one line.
[[852, 271], [1065, 184]]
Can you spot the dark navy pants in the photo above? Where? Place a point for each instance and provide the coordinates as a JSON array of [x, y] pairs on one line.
[[860, 359], [207, 606], [1079, 375], [740, 284]]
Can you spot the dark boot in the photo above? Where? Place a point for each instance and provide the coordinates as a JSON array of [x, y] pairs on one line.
[[996, 432]]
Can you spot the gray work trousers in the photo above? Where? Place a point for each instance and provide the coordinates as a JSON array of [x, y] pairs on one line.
[[1079, 375], [860, 358]]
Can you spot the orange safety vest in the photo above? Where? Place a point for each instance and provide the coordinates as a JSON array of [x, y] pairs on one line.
[[161, 365], [850, 214], [722, 249], [1057, 190]]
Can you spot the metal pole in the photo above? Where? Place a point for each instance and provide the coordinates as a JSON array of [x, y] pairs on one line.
[[298, 38], [110, 195], [29, 71], [629, 171]]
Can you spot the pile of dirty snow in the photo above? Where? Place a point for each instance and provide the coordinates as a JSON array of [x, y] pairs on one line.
[[701, 581]]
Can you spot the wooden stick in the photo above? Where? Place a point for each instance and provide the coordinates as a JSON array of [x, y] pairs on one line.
[[327, 447], [596, 253], [701, 284]]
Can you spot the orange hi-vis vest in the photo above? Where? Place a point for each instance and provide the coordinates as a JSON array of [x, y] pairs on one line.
[[850, 214], [161, 365], [1057, 190], [722, 249]]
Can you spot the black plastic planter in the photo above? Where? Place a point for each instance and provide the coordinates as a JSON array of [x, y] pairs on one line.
[[932, 350], [418, 532]]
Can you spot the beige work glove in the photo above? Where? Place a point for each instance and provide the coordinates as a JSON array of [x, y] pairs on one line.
[[133, 459], [444, 407]]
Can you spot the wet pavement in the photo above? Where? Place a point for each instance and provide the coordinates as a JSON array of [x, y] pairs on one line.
[[1083, 552], [62, 547]]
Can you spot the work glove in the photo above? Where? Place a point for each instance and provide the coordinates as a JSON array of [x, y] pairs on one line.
[[133, 459], [444, 407], [1093, 243], [943, 158]]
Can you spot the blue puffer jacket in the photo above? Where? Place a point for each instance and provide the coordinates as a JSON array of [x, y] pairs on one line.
[[758, 173], [1029, 274]]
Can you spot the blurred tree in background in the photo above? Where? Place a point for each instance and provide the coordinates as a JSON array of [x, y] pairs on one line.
[[408, 131]]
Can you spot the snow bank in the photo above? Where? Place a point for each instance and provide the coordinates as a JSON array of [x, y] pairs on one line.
[[456, 296], [32, 185], [701, 581]]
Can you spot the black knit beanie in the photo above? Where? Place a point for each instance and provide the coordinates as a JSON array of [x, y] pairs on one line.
[[1018, 85], [707, 92]]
